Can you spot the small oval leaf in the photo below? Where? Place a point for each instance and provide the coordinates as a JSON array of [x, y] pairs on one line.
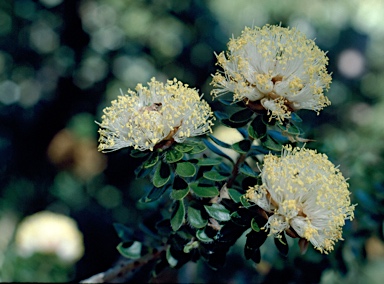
[[219, 142], [282, 245], [257, 129], [151, 162], [208, 162], [195, 218], [234, 194], [271, 144], [242, 146], [184, 148], [185, 169], [232, 124], [215, 176], [198, 148], [242, 115], [203, 191], [254, 225], [178, 216], [172, 156], [130, 250], [218, 212], [162, 175], [171, 260], [244, 201], [202, 236], [246, 170]]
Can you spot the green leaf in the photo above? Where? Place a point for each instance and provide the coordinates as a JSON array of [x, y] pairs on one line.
[[281, 244], [257, 129], [216, 150], [295, 117], [292, 129], [254, 225], [130, 250], [198, 148], [195, 218], [151, 162], [190, 246], [232, 124], [162, 175], [208, 162], [203, 191], [180, 188], [202, 236], [271, 144], [123, 232], [246, 170], [218, 212], [234, 194], [154, 194], [172, 155], [214, 175], [178, 216], [267, 120], [241, 116], [179, 194], [138, 154], [227, 102], [185, 169], [242, 146], [244, 201], [219, 142], [171, 260], [184, 148], [252, 244]]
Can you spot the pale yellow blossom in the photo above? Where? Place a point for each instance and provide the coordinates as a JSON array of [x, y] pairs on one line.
[[278, 67], [48, 232], [304, 191], [154, 114]]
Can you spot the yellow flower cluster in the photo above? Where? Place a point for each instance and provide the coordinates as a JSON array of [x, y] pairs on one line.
[[304, 191], [154, 114], [278, 67]]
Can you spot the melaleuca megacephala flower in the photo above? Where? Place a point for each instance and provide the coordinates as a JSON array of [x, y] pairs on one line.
[[150, 115], [277, 67], [303, 190]]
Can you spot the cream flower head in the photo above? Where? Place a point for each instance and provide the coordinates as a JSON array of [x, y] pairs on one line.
[[48, 232], [303, 190], [275, 66], [154, 114]]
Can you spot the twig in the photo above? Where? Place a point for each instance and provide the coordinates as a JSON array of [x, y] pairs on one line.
[[235, 170], [122, 268]]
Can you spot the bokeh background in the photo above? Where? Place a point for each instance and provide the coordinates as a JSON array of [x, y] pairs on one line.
[[62, 62]]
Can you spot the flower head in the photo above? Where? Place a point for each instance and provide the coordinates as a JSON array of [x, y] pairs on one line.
[[154, 114], [278, 67], [48, 232], [304, 191]]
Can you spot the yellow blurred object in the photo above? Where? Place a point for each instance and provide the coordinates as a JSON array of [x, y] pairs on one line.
[[375, 248], [80, 156], [48, 232]]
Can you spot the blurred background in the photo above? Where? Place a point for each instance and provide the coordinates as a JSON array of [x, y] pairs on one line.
[[62, 62]]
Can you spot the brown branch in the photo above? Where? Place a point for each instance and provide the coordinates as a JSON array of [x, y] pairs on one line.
[[235, 170], [124, 267]]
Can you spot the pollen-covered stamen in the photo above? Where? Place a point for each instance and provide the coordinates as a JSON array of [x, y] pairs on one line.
[[154, 117], [303, 194], [277, 66]]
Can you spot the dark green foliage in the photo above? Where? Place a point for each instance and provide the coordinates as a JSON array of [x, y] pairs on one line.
[[178, 215]]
